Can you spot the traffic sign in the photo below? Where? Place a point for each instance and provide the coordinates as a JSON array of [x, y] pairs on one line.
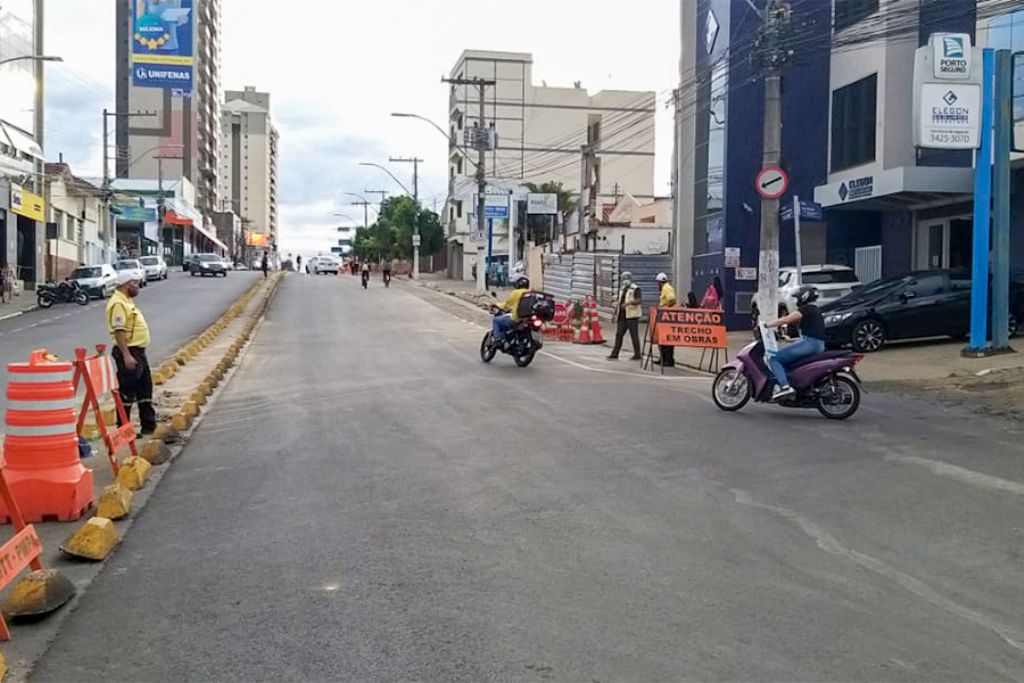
[[771, 182], [415, 240]]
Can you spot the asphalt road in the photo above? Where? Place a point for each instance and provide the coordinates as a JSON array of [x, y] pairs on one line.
[[176, 309], [367, 501]]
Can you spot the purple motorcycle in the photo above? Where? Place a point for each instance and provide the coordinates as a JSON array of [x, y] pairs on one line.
[[826, 381]]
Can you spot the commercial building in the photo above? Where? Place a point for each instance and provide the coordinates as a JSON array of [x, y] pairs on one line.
[[76, 226], [22, 210], [847, 141], [539, 134], [248, 162], [168, 62]]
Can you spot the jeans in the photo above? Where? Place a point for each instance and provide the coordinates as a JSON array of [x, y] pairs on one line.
[[801, 348], [501, 325]]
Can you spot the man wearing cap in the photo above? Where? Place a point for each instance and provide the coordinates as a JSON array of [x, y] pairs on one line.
[[627, 316], [131, 337]]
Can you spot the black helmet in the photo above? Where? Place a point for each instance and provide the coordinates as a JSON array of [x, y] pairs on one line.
[[522, 282], [806, 294]]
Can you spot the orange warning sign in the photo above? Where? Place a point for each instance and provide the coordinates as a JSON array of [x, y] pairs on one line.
[[696, 327]]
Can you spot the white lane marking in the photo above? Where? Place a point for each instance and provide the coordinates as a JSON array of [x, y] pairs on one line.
[[607, 371], [830, 544], [961, 474]]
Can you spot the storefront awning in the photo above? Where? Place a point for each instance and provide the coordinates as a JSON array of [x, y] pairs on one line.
[[898, 189], [175, 219]]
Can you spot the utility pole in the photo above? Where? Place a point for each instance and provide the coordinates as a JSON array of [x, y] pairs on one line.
[[366, 218], [482, 143], [108, 237], [776, 15], [415, 210], [383, 196]]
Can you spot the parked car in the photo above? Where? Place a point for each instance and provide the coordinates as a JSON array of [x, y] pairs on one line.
[[833, 282], [155, 267], [326, 264], [135, 267], [207, 264], [99, 281], [932, 303]]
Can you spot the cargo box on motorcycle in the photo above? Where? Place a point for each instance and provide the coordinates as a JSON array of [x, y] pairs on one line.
[[536, 303]]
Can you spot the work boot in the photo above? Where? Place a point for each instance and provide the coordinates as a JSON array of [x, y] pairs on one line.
[[613, 357]]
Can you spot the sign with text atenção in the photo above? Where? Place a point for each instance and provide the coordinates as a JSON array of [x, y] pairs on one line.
[[695, 327]]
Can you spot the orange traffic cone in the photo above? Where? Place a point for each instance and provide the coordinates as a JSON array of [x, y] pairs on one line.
[[595, 324], [584, 329]]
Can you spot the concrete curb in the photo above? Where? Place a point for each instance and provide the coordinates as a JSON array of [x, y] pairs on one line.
[[34, 307]]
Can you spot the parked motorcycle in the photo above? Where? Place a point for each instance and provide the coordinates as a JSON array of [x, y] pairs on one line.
[[523, 341], [826, 381], [65, 292]]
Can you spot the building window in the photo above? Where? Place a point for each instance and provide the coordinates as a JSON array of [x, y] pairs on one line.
[[849, 12], [458, 208], [853, 123]]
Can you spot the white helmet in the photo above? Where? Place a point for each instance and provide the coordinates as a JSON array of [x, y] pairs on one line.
[[661, 277]]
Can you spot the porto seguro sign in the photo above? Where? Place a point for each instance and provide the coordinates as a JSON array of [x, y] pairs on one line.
[[947, 93]]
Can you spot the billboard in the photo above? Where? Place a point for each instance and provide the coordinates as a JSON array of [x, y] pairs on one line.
[[18, 78], [162, 44]]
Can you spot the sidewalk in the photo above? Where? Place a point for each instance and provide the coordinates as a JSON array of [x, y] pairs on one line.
[[21, 304]]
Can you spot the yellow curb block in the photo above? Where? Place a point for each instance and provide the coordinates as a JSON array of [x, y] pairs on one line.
[[93, 541], [158, 378], [181, 422], [115, 502], [90, 431], [198, 398], [190, 409], [109, 416], [163, 432], [3, 666], [39, 592], [134, 473], [180, 359], [155, 452]]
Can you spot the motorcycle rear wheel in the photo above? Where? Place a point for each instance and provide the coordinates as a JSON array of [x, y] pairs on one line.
[[838, 402], [44, 301], [525, 360], [487, 349], [732, 397], [81, 298]]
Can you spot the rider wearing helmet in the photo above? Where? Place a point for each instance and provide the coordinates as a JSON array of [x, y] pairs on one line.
[[812, 338], [504, 322]]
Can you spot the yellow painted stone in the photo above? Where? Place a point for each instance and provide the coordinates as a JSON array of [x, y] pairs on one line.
[[89, 431], [181, 359], [163, 431], [109, 416], [134, 473], [155, 452], [93, 541], [190, 408], [3, 666], [198, 398], [115, 502], [39, 592], [159, 379], [181, 422]]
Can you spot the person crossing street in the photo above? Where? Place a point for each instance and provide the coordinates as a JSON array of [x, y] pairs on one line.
[[627, 316], [130, 334]]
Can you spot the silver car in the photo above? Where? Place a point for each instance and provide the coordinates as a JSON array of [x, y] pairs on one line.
[[99, 280]]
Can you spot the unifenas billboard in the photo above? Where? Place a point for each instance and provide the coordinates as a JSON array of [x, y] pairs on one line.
[[162, 44]]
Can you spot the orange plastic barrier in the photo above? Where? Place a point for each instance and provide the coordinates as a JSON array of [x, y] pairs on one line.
[[43, 469], [23, 550], [100, 378]]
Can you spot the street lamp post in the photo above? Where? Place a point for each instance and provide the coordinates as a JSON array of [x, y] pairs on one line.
[[415, 210]]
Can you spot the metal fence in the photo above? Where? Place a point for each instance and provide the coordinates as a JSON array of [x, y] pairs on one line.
[[597, 274]]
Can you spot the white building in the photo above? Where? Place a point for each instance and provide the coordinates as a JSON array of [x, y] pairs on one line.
[[248, 161], [541, 132], [75, 222]]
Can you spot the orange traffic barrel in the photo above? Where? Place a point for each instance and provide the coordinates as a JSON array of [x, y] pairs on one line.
[[42, 466]]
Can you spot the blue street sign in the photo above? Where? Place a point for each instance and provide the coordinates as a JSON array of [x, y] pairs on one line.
[[495, 211], [809, 211]]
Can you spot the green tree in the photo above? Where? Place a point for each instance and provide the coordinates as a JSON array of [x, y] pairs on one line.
[[390, 236], [538, 227]]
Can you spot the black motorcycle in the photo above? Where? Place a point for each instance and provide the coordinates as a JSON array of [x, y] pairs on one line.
[[63, 293], [523, 341]]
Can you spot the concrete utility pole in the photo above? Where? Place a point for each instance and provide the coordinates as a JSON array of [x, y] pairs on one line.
[[415, 210], [108, 222], [366, 217], [481, 142], [383, 195], [776, 15]]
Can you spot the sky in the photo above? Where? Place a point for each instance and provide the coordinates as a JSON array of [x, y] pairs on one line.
[[336, 70]]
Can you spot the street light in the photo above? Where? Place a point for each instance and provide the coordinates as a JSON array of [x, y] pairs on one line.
[[439, 129], [35, 58], [400, 183]]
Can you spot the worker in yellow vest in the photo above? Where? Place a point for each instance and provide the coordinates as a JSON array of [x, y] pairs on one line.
[[666, 299], [130, 334], [627, 316]]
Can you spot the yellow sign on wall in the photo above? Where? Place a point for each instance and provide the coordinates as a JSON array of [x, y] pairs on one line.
[[27, 204]]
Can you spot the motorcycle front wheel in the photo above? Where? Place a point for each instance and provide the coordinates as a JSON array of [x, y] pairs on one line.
[[81, 298], [731, 390], [487, 349], [838, 397], [44, 301], [525, 359]]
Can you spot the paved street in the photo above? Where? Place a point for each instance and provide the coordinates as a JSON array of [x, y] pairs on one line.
[[175, 309], [368, 501]]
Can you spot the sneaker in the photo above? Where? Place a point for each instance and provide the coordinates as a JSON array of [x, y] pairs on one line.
[[782, 392], [613, 357], [636, 358]]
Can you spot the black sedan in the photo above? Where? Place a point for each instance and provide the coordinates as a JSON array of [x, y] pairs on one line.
[[934, 303]]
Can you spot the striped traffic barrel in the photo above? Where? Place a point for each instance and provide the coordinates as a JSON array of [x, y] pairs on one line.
[[41, 442]]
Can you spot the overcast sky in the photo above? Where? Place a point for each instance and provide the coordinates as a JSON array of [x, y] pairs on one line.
[[335, 70]]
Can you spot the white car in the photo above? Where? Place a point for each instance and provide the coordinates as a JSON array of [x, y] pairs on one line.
[[326, 264], [98, 280], [155, 267], [133, 266], [832, 282]]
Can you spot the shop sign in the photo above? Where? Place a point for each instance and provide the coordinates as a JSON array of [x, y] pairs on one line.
[[858, 188], [27, 204]]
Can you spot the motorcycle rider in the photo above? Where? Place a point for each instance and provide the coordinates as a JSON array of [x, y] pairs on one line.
[[385, 272], [811, 342], [366, 273], [506, 321]]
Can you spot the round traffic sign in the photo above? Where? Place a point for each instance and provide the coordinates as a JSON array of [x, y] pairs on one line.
[[771, 182]]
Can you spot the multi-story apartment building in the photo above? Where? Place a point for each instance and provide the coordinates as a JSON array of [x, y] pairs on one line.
[[248, 161], [847, 140], [185, 129], [540, 133]]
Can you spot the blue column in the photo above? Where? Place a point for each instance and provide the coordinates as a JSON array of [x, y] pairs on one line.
[[982, 212], [1001, 202]]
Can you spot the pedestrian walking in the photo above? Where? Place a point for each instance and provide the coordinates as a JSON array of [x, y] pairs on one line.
[[298, 264], [713, 296], [666, 299], [627, 316], [130, 335], [7, 279], [264, 266]]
